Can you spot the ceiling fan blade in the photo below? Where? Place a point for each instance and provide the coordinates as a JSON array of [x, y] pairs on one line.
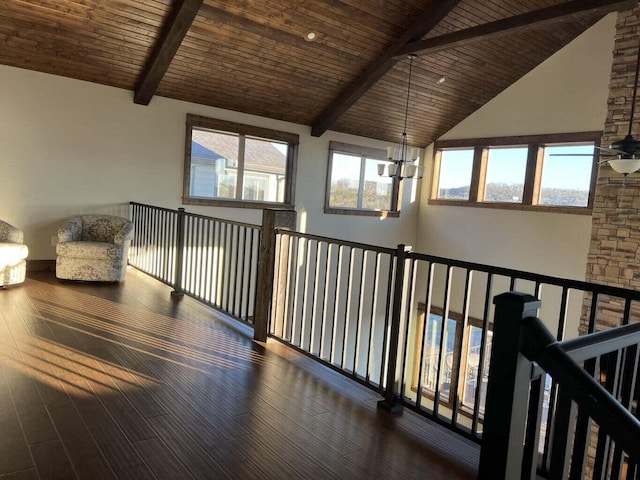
[[612, 151]]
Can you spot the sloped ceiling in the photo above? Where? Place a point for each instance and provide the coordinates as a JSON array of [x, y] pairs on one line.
[[252, 55]]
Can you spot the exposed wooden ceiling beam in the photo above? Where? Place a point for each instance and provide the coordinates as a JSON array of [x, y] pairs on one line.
[[423, 25], [177, 26], [518, 23]]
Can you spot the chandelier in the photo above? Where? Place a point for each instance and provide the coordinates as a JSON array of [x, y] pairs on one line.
[[404, 160]]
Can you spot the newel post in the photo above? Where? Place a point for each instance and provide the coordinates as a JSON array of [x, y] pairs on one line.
[[390, 402], [179, 259], [507, 391], [271, 220]]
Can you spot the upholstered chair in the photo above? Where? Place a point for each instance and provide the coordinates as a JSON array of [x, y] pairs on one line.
[[93, 248], [13, 255]]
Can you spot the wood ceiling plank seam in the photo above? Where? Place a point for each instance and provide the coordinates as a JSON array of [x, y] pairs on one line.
[[111, 13], [374, 131], [473, 18], [79, 62], [44, 20], [528, 51], [399, 100], [457, 101], [248, 59], [251, 97], [355, 90], [146, 16], [88, 7], [490, 55], [453, 76], [62, 65], [367, 24], [450, 100], [80, 51], [403, 10], [274, 113], [224, 63], [254, 86], [55, 9], [461, 104], [274, 67], [251, 84], [320, 13], [530, 34], [346, 49], [107, 44], [70, 47], [302, 50], [306, 19], [418, 121]]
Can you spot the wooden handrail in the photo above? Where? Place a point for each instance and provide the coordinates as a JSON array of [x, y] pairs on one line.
[[618, 422]]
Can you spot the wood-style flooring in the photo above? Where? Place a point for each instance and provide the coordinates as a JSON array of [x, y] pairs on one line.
[[103, 381]]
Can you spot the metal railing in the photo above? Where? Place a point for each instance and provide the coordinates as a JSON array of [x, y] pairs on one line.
[[414, 326], [210, 259], [595, 431], [332, 301]]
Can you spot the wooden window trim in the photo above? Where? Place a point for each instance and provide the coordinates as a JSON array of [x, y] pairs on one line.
[[364, 152], [419, 338], [206, 123], [535, 144]]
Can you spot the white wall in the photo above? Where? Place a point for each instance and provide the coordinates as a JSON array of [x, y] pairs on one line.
[[566, 93], [70, 147]]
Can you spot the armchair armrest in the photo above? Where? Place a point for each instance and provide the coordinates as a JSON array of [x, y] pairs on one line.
[[70, 231], [9, 233], [124, 235]]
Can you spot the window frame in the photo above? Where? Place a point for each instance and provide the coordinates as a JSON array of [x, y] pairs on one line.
[[533, 172], [223, 126], [461, 340], [364, 153]]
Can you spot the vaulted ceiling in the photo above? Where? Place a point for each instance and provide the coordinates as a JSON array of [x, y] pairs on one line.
[[253, 56]]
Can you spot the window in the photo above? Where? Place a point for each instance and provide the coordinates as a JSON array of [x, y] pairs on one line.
[[458, 343], [455, 174], [504, 181], [542, 172], [353, 183], [230, 164], [566, 175]]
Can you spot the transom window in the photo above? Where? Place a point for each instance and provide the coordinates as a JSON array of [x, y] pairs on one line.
[[542, 172], [353, 183], [231, 164]]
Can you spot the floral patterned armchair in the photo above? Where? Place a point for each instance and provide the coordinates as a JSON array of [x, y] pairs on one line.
[[13, 255], [93, 248]]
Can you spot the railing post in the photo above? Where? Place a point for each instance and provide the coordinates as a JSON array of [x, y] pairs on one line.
[[177, 282], [390, 402], [271, 220], [507, 390]]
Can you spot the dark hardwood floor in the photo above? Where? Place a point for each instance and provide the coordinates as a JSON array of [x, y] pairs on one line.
[[101, 381]]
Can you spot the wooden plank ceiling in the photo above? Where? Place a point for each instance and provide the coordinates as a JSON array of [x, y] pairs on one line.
[[252, 56]]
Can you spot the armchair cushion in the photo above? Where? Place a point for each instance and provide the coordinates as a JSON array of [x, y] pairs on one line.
[[13, 255], [9, 233]]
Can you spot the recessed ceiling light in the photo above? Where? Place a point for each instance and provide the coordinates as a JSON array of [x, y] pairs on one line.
[[310, 36], [442, 80]]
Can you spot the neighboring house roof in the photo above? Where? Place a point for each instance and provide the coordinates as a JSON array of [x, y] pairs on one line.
[[260, 156], [201, 152]]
